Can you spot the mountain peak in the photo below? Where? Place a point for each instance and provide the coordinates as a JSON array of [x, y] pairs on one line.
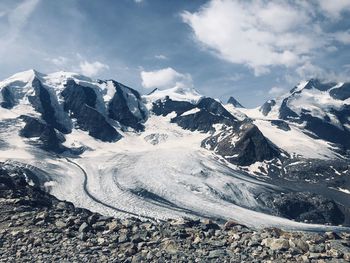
[[177, 93], [234, 102], [24, 76]]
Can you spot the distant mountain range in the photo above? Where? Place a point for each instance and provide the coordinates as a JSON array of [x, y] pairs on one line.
[[176, 153]]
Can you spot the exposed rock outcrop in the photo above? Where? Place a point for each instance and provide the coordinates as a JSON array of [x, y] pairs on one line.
[[127, 107], [81, 102], [243, 146]]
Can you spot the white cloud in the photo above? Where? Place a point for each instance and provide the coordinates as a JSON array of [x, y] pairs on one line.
[[17, 19], [160, 56], [334, 8], [235, 77], [138, 1], [309, 70], [247, 32], [342, 36], [264, 34], [276, 91], [77, 63], [165, 78], [59, 61], [92, 68]]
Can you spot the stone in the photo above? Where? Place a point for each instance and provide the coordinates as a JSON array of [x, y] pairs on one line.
[[170, 246], [346, 257], [301, 244], [112, 226], [314, 255], [230, 224], [332, 235], [60, 224], [197, 240], [337, 248], [123, 238], [41, 216], [84, 227], [210, 225], [99, 226], [82, 236], [101, 241], [17, 233], [276, 244], [92, 219], [61, 205], [218, 253], [317, 248]]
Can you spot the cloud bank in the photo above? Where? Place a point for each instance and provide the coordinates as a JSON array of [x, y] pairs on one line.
[[92, 69], [265, 34], [165, 78]]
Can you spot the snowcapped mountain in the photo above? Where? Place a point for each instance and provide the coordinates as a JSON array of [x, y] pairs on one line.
[[175, 153], [321, 109]]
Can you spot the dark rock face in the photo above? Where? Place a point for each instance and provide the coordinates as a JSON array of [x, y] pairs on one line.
[[267, 106], [81, 102], [8, 98], [318, 172], [243, 146], [317, 84], [50, 139], [327, 131], [201, 121], [281, 125], [93, 121], [286, 113], [34, 127], [127, 108], [210, 112], [166, 106], [14, 185], [43, 103], [304, 207], [341, 93], [214, 107], [234, 102], [76, 96]]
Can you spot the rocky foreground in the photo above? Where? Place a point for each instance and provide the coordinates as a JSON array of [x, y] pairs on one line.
[[37, 227]]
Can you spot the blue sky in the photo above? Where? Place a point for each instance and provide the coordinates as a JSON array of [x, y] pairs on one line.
[[252, 50]]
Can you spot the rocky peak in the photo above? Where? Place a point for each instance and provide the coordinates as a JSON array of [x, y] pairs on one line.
[[234, 102]]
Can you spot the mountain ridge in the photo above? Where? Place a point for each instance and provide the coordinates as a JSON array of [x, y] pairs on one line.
[[170, 143]]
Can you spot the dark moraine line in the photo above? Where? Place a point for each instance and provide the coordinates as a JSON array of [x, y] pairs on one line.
[[103, 203]]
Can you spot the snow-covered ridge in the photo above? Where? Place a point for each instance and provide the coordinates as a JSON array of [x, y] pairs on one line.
[[313, 96], [188, 94], [314, 115]]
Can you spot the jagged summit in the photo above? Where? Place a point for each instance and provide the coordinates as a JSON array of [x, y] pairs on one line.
[[234, 102]]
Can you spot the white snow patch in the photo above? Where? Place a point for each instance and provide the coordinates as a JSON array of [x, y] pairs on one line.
[[295, 141], [193, 111]]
